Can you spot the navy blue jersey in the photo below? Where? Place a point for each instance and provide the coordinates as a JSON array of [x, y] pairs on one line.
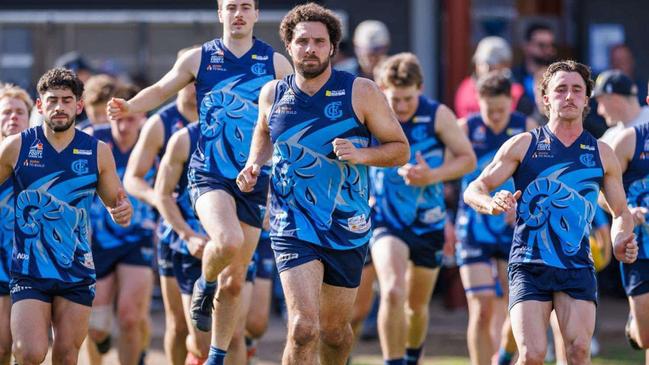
[[560, 186], [227, 93], [636, 185], [473, 227], [107, 234], [314, 196], [183, 200], [53, 193], [172, 121], [420, 209], [6, 228]]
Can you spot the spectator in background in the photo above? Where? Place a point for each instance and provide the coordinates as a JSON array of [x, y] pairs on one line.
[[539, 50], [621, 58], [493, 53], [98, 91], [371, 45], [617, 101]]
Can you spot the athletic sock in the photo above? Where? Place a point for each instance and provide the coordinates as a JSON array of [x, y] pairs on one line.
[[204, 284], [399, 361], [504, 357], [412, 355], [216, 356]]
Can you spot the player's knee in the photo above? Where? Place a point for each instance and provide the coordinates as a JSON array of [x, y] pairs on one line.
[[481, 312], [129, 318], [394, 296], [232, 284], [31, 353], [67, 356], [229, 242], [577, 350], [256, 328], [336, 334], [304, 331], [532, 356]]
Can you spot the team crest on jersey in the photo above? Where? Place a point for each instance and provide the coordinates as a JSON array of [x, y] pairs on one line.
[[258, 69], [36, 149], [419, 133], [80, 167], [479, 134], [588, 159], [332, 110]]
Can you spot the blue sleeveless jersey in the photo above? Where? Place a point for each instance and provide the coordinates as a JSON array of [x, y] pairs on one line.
[[172, 121], [419, 209], [166, 232], [53, 194], [559, 188], [636, 185], [227, 93], [314, 196], [107, 234], [6, 228], [473, 227]]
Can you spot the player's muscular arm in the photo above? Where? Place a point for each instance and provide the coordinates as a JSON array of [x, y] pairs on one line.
[[625, 247], [9, 151], [261, 148], [109, 188], [501, 168], [372, 108], [457, 143], [182, 73], [283, 67], [142, 159]]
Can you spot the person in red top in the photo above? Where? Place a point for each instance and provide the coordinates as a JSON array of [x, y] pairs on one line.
[[492, 53]]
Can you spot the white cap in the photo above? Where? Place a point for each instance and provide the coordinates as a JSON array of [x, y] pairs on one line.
[[371, 34], [493, 51]]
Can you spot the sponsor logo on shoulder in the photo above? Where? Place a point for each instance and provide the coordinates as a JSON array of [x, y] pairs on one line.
[[78, 151], [259, 57], [513, 131], [422, 119], [216, 59], [36, 149], [340, 92], [586, 147]]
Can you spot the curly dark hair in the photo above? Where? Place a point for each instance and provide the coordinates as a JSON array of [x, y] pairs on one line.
[[567, 66], [311, 13], [60, 78]]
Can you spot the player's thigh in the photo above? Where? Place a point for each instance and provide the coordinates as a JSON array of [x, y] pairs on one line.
[[420, 282], [336, 307], [69, 323], [302, 285], [172, 299], [576, 317], [5, 321], [502, 276], [530, 319], [105, 290], [217, 212], [639, 305], [134, 290], [260, 302], [478, 278], [390, 254], [365, 292], [30, 324]]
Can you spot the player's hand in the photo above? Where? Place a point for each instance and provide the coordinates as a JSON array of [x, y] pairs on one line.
[[247, 178], [117, 108], [122, 211], [196, 244], [638, 214], [625, 249], [504, 202], [419, 174], [346, 151]]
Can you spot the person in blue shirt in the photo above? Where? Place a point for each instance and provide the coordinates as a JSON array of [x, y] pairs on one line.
[[15, 106], [228, 73], [484, 241], [123, 255], [632, 150], [409, 213], [56, 171], [558, 170], [146, 154], [316, 125]]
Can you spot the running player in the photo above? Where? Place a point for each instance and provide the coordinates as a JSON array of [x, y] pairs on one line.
[[123, 255], [409, 212], [148, 151], [632, 149], [317, 126], [558, 171], [228, 74], [182, 229], [56, 171], [15, 105], [484, 241]]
